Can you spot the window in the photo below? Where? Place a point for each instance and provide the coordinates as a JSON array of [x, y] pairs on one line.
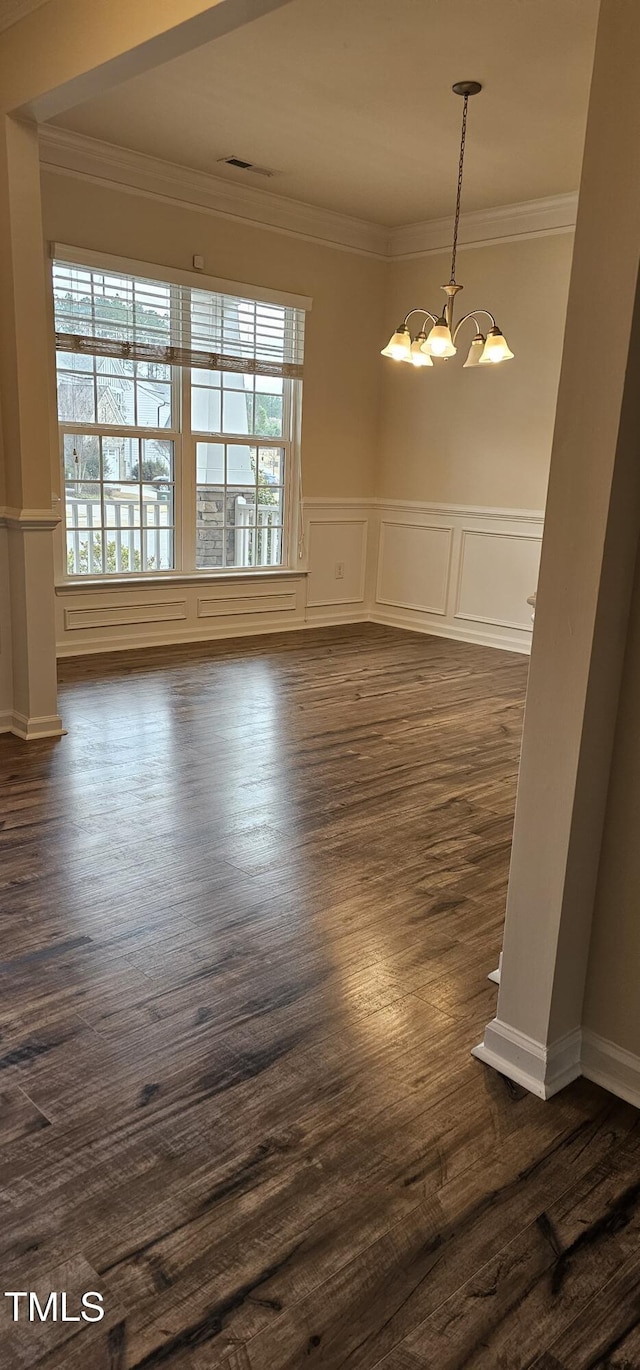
[[177, 409]]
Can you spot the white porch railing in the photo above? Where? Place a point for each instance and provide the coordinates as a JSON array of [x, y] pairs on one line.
[[122, 534], [258, 534], [90, 544]]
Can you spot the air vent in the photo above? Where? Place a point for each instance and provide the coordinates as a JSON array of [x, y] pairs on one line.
[[247, 166]]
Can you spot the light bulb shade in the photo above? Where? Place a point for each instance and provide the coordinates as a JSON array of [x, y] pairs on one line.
[[496, 349], [439, 342], [476, 350], [418, 356], [399, 345]]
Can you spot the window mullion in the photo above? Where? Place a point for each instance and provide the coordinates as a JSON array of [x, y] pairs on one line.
[[182, 301]]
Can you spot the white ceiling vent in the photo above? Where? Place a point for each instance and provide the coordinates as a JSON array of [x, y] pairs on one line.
[[243, 165]]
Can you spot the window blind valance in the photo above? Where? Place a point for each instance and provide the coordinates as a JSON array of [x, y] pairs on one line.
[[112, 314]]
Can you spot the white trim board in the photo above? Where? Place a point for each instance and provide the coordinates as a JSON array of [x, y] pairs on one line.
[[72, 154]]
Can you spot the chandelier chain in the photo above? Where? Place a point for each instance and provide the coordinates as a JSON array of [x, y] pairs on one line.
[[463, 139]]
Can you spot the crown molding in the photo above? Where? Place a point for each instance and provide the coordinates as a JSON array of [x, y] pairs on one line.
[[483, 227], [74, 154]]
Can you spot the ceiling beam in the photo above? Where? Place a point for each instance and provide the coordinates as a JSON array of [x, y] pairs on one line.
[[67, 51]]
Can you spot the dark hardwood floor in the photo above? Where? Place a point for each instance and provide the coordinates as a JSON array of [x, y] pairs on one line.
[[249, 905]]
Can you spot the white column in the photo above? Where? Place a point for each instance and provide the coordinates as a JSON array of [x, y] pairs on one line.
[[589, 549], [26, 403]]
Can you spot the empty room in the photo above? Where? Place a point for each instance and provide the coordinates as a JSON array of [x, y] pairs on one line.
[[319, 666]]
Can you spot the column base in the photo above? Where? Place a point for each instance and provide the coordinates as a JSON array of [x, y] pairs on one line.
[[543, 1070], [30, 729]]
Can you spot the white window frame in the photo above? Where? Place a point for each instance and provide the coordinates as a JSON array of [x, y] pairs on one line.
[[184, 438], [101, 430], [289, 442]]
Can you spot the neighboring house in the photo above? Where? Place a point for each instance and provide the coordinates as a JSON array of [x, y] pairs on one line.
[[111, 392]]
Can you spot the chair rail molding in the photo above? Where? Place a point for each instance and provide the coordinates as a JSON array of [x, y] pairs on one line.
[[31, 520]]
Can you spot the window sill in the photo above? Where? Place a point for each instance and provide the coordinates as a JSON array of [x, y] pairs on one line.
[[71, 587]]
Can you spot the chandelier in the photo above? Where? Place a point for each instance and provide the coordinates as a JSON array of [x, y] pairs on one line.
[[486, 348]]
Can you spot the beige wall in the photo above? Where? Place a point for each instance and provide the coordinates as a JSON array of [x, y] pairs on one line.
[[484, 436], [372, 427], [341, 388]]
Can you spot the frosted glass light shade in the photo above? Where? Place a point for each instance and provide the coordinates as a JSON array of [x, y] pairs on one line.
[[476, 350], [439, 342], [418, 356], [496, 349], [399, 345]]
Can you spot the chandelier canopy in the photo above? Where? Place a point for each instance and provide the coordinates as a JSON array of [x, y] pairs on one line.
[[488, 347]]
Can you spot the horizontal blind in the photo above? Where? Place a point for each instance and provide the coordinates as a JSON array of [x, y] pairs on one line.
[[100, 313]]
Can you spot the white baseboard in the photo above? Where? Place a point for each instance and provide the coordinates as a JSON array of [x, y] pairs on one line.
[[30, 729], [481, 636], [611, 1066], [540, 1069]]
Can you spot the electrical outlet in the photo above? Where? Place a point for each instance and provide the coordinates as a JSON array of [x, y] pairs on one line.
[[198, 262], [339, 571]]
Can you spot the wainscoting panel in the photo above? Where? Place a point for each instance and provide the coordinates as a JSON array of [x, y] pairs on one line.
[[497, 572], [458, 571], [255, 602], [120, 615], [113, 617], [414, 564], [337, 543]]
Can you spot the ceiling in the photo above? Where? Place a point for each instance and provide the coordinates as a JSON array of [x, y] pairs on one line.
[[12, 10], [350, 102]]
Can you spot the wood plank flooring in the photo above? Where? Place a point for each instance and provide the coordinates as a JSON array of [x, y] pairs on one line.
[[249, 905]]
